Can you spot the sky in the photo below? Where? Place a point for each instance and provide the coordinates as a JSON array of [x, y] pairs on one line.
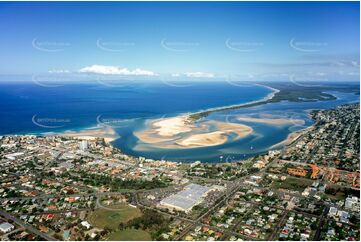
[[182, 40]]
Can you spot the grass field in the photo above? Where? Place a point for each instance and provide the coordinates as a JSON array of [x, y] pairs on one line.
[[292, 183], [129, 234], [102, 218]]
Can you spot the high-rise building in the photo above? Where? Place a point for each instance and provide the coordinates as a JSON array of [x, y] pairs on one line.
[[83, 145]]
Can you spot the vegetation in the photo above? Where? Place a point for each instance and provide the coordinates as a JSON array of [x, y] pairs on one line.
[[289, 91], [103, 218], [117, 184], [340, 193], [292, 184], [129, 235], [150, 221]]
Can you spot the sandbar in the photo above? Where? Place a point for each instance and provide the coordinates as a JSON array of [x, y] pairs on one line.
[[273, 121], [179, 132]]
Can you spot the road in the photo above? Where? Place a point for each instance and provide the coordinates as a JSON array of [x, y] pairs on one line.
[[26, 226]]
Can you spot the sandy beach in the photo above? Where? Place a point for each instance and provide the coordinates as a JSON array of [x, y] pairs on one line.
[[290, 138], [105, 132]]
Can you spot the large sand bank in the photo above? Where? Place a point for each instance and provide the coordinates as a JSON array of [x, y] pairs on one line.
[[179, 132]]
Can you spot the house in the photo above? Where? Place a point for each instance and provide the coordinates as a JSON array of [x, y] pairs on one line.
[[86, 224], [333, 211]]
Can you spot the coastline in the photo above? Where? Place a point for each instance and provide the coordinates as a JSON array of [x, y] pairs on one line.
[[197, 139], [105, 132], [291, 137], [203, 113], [109, 134]]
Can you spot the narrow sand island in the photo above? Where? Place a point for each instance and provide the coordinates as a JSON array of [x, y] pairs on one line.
[[272, 120], [181, 132]]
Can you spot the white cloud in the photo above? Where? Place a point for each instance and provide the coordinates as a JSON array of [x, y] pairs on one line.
[[115, 70], [199, 74]]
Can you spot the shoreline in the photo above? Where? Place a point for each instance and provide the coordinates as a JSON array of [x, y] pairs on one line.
[[203, 113], [291, 137], [105, 132]]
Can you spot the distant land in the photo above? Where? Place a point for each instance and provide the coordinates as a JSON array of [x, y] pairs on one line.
[[291, 92]]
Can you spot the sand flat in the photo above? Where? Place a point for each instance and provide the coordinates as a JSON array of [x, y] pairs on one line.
[[172, 126], [178, 133], [273, 121], [201, 140]]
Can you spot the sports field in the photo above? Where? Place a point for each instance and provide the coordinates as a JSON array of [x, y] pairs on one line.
[[102, 217]]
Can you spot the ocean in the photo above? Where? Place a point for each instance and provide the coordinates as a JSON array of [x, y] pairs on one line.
[[78, 106]]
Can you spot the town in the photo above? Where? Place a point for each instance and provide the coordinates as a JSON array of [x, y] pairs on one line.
[[63, 188]]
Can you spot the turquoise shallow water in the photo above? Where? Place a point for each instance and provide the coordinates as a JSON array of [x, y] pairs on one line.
[[264, 136], [130, 105]]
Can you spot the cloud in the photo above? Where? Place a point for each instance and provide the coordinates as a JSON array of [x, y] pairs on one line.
[[115, 70], [199, 74]]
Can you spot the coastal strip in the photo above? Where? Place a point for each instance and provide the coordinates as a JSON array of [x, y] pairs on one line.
[[292, 137], [204, 113], [283, 91], [105, 132]]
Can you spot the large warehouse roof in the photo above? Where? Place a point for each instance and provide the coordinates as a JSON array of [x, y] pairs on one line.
[[184, 200]]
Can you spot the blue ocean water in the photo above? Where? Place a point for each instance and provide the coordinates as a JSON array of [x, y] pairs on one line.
[[79, 106], [75, 106]]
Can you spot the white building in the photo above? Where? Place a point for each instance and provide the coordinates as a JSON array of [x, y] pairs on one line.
[[86, 224], [83, 145], [186, 199], [333, 211], [6, 227]]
